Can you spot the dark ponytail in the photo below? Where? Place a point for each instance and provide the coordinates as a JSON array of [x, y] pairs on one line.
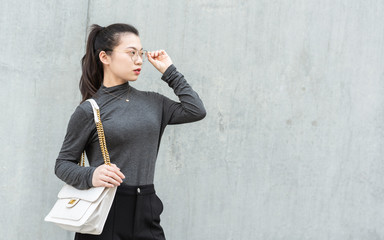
[[99, 39]]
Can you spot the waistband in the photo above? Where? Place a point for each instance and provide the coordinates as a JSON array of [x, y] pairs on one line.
[[125, 189]]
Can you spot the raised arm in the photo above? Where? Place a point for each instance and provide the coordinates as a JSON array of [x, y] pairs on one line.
[[190, 108]]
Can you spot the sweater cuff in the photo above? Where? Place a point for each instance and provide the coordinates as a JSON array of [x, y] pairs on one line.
[[90, 176], [168, 72]]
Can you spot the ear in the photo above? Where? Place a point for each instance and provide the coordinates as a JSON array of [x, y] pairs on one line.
[[104, 58]]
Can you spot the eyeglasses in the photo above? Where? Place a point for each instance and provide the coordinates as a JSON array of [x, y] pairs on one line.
[[133, 53]]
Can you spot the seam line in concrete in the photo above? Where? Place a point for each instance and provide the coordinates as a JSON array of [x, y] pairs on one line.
[[86, 26]]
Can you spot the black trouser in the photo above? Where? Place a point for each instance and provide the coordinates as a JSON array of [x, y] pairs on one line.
[[134, 215]]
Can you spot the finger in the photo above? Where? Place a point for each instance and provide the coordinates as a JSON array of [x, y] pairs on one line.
[[117, 171], [120, 174], [101, 183], [115, 177], [150, 59], [114, 166], [106, 170], [111, 172], [111, 168], [105, 167], [109, 180]]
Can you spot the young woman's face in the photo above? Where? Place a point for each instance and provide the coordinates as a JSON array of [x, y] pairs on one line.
[[125, 59]]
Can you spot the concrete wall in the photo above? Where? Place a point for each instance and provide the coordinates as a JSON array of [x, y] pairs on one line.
[[292, 146]]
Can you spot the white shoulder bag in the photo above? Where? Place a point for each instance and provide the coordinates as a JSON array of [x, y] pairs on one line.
[[84, 211]]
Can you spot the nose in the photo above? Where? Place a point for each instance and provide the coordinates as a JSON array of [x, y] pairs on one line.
[[139, 61]]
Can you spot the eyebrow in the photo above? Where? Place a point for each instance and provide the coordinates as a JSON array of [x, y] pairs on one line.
[[133, 48]]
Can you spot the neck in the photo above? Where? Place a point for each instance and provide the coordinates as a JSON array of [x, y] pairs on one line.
[[111, 80]]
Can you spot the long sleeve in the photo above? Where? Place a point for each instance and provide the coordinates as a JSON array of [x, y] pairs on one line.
[[80, 128], [189, 109]]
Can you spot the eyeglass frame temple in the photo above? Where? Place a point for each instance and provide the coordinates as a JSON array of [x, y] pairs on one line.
[[142, 58]]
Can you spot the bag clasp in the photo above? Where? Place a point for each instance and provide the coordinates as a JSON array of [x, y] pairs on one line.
[[72, 202]]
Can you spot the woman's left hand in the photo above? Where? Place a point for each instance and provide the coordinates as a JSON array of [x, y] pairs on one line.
[[160, 60]]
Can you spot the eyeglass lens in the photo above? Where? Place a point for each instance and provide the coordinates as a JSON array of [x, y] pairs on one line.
[[142, 53]]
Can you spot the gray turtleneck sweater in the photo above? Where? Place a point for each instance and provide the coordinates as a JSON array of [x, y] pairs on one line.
[[132, 130]]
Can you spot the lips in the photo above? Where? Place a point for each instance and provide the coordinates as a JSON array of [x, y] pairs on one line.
[[137, 71]]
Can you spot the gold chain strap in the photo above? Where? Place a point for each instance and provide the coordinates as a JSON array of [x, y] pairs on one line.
[[103, 145], [82, 163]]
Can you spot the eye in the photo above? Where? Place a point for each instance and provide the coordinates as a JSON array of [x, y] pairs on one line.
[[132, 52]]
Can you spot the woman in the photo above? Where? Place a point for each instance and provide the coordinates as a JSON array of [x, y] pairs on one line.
[[133, 122]]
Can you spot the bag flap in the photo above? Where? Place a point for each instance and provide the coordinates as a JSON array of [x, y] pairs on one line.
[[61, 211], [83, 211], [71, 192]]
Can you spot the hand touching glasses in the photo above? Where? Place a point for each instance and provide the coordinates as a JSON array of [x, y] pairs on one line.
[[159, 59]]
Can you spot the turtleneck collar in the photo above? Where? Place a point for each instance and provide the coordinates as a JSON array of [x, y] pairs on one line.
[[116, 88]]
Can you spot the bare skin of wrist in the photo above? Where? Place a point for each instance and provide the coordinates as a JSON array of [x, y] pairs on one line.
[[107, 176]]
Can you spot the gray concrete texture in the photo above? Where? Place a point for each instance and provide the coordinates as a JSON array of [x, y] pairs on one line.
[[292, 146]]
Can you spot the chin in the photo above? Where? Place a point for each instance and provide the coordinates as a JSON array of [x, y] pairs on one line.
[[132, 79]]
